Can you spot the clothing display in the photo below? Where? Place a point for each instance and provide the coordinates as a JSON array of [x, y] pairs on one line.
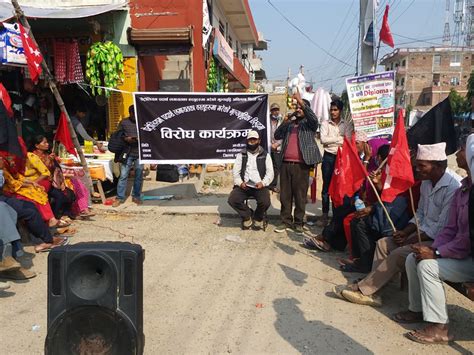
[[67, 62]]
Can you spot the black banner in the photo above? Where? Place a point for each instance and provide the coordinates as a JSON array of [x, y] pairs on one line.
[[193, 128]]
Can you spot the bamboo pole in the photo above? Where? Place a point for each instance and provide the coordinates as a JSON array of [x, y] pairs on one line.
[[52, 85], [416, 217]]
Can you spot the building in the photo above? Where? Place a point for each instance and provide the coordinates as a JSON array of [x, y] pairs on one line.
[[425, 76], [172, 55]]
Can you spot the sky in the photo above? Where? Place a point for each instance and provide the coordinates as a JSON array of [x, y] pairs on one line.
[[333, 25]]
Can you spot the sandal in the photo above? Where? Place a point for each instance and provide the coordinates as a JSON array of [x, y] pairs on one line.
[[421, 336], [320, 245], [343, 261], [407, 317], [43, 247], [62, 224]]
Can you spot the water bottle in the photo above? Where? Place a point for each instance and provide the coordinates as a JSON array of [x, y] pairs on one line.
[[359, 204]]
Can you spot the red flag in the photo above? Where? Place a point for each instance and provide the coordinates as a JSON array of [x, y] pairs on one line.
[[385, 34], [7, 101], [349, 173], [32, 53], [399, 172], [63, 135]]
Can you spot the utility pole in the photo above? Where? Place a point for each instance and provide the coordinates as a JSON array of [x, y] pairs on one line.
[[367, 35]]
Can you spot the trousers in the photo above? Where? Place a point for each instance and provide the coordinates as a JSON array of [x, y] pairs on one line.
[[364, 241], [294, 183], [27, 211], [237, 201], [389, 259], [327, 169], [276, 159], [425, 284]]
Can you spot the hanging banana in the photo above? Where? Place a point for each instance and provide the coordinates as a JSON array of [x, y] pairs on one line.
[[104, 67]]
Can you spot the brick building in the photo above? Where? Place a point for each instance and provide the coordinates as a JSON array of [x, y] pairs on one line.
[[425, 76]]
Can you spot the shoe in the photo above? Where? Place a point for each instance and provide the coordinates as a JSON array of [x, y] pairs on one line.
[[282, 228], [4, 285], [359, 298], [298, 229], [8, 263], [257, 225], [137, 200], [246, 224], [117, 203], [322, 221], [274, 189], [20, 274]]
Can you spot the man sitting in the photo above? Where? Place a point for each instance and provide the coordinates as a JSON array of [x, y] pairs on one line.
[[449, 258], [253, 173], [436, 193]]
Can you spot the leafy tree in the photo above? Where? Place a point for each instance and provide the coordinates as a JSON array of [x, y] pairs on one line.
[[470, 92], [459, 104]]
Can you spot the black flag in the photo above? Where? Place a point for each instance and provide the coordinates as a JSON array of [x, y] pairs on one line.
[[436, 126]]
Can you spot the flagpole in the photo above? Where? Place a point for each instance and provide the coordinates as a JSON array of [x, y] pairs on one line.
[[374, 69], [24, 22], [416, 217], [382, 204]]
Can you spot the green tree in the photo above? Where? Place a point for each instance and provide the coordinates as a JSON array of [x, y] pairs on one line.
[[470, 92], [459, 104]]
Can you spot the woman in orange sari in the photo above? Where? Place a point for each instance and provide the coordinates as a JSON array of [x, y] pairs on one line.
[[29, 185]]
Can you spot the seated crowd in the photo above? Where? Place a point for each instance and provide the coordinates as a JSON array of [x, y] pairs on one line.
[[430, 241], [36, 191]]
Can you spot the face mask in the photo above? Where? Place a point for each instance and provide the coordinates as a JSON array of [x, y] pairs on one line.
[[252, 147]]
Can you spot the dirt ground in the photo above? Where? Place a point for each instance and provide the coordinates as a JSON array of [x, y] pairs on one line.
[[258, 293]]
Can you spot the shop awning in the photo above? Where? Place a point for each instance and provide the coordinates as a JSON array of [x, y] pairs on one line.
[[6, 10]]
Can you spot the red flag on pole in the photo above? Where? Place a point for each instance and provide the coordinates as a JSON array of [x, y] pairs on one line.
[[32, 53], [63, 135], [385, 34], [349, 173], [399, 172], [7, 101]]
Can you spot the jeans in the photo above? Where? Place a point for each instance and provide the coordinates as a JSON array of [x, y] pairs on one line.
[[137, 182], [327, 167]]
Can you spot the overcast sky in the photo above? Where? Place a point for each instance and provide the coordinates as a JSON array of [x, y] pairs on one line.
[[333, 24]]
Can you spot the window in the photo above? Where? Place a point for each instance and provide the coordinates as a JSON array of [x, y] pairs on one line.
[[402, 82], [454, 81], [397, 83], [404, 63], [436, 79], [456, 60], [426, 99], [436, 60], [221, 28], [229, 40]]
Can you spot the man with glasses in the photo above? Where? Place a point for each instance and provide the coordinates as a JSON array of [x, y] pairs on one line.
[[299, 153]]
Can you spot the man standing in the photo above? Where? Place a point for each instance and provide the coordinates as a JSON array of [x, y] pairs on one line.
[[332, 136], [448, 259], [299, 153], [128, 125], [253, 173], [436, 193], [275, 121], [80, 114]]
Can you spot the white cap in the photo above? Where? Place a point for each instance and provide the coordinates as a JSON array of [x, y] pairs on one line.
[[253, 134], [432, 152], [361, 136]]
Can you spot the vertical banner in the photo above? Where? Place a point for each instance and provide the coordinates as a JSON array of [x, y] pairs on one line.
[[206, 24], [198, 128], [372, 102], [119, 102]]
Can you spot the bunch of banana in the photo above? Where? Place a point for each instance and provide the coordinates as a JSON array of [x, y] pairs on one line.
[[212, 79], [104, 66]]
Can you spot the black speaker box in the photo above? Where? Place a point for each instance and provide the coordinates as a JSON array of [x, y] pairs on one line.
[[95, 299]]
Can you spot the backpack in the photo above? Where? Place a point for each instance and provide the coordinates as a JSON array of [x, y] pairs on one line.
[[116, 142]]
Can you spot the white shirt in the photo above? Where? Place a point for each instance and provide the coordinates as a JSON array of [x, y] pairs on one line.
[[433, 208], [332, 135], [251, 173]]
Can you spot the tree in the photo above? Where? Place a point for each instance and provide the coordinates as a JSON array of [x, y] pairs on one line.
[[459, 104], [470, 92]]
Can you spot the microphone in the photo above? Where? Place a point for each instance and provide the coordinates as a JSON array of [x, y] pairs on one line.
[[292, 116]]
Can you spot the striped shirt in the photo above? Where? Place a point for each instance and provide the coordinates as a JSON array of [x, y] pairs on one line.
[[306, 130]]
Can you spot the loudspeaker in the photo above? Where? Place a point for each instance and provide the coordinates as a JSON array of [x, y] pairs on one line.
[[95, 299]]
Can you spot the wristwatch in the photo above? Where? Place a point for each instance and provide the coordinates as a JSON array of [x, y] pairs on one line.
[[437, 253]]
